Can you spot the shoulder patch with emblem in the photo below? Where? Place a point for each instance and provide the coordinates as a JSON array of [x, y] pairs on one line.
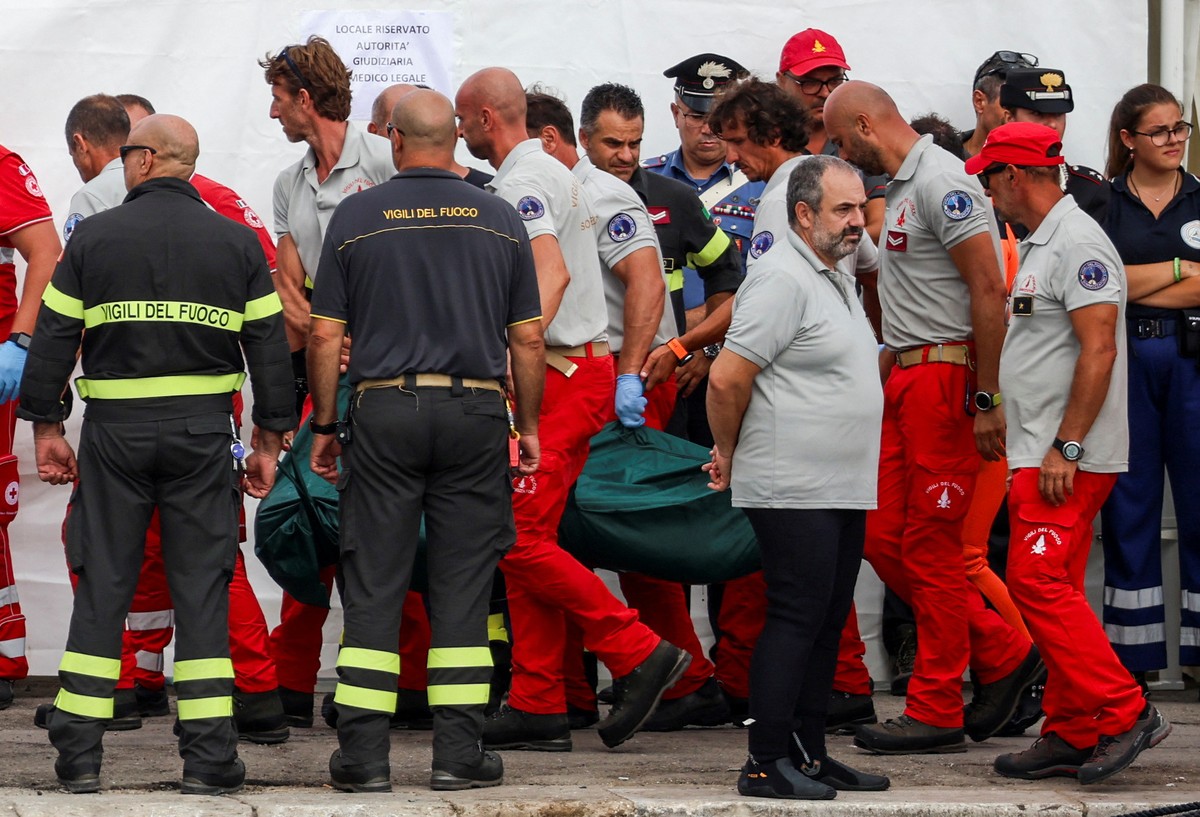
[[957, 204], [760, 243], [621, 227], [530, 207], [1093, 275], [70, 225]]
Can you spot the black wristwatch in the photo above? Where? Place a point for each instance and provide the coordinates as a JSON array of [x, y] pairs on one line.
[[1071, 451], [712, 350], [21, 339], [986, 401], [319, 428]]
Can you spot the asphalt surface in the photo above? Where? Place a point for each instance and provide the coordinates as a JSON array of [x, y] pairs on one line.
[[692, 772]]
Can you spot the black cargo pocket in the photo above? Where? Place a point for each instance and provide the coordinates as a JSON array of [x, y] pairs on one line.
[[72, 535], [215, 438]]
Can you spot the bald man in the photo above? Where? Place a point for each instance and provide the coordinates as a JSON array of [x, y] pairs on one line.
[[544, 582], [942, 298], [437, 279], [172, 293], [381, 109]]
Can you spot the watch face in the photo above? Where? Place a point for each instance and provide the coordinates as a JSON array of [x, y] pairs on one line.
[[983, 401], [1072, 451]]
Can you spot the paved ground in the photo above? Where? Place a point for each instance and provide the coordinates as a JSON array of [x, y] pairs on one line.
[[690, 772]]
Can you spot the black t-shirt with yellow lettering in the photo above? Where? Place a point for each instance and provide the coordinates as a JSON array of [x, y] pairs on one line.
[[427, 272]]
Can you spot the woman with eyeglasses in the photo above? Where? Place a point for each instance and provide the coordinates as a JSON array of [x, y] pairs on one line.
[[1154, 220]]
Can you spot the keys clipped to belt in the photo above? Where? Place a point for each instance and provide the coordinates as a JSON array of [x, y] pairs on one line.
[[514, 436], [236, 449]]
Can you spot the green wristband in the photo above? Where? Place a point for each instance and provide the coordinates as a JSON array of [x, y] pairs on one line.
[[1178, 275]]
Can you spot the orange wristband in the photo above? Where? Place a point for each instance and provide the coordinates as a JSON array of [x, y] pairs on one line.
[[677, 348]]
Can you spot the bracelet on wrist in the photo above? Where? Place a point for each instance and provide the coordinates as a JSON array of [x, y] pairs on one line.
[[1178, 271]]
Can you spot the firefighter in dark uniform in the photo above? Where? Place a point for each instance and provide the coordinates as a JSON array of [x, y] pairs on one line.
[[171, 294], [433, 278], [1042, 95]]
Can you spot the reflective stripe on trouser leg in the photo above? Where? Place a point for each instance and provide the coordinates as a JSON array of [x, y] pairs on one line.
[[459, 676], [367, 679], [205, 688], [87, 685]]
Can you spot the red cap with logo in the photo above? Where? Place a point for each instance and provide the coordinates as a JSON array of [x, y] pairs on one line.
[[811, 48], [1025, 144]]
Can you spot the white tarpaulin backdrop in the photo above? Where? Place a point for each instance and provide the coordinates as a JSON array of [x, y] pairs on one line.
[[198, 60]]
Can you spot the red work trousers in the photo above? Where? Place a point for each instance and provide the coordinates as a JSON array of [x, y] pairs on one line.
[[743, 613], [546, 585], [1089, 693], [13, 664], [927, 469]]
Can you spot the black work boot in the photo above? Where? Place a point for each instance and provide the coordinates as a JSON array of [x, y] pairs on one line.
[[993, 705], [297, 707], [1114, 753], [847, 711], [907, 736], [151, 703], [6, 693], [450, 775], [1049, 756], [780, 779], [704, 707], [360, 778], [515, 729], [126, 712], [78, 778], [636, 695], [208, 778], [259, 717]]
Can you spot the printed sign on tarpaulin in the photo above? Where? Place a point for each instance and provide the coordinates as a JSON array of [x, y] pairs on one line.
[[383, 47]]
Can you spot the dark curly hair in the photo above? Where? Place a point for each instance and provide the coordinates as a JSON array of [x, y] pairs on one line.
[[316, 68], [767, 112]]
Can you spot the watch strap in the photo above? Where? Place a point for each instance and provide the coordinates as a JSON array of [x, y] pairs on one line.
[[322, 428], [22, 339]]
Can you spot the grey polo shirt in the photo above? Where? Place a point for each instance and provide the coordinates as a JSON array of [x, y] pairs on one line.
[[771, 220], [551, 201], [303, 206], [810, 435], [932, 206], [1066, 264], [104, 192], [624, 226]]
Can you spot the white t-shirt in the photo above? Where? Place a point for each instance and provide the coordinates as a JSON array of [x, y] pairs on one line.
[[810, 435], [1067, 263], [551, 201], [624, 226]]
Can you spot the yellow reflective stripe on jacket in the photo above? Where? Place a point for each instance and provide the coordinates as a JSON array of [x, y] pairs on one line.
[[93, 665], [496, 629], [86, 705], [456, 657], [194, 709], [711, 252], [458, 694], [376, 700], [263, 307], [168, 311], [180, 385], [362, 658], [203, 669], [61, 303], [675, 281]]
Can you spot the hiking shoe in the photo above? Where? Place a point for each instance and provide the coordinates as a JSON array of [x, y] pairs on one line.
[[6, 693], [847, 711], [77, 778], [1029, 710], [1114, 752], [297, 707], [906, 659], [907, 736], [605, 696], [516, 729], [580, 718], [151, 703], [704, 707], [993, 705], [208, 778], [361, 778], [449, 775], [635, 695], [1049, 756], [259, 717], [780, 779]]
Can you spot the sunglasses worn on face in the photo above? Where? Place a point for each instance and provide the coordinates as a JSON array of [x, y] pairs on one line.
[[125, 150]]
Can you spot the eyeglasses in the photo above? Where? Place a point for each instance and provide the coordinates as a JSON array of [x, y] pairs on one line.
[[1006, 60], [985, 177], [125, 150], [295, 69], [812, 87], [391, 127], [1162, 137], [693, 119]]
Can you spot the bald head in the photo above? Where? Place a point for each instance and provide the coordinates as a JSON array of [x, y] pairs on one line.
[[854, 98], [865, 124], [175, 141], [382, 107], [501, 91], [425, 133], [491, 112]]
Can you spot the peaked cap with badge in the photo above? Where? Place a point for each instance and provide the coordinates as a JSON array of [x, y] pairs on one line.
[[698, 78], [1044, 90]]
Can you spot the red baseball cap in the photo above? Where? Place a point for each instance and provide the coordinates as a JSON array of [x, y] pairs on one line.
[[1018, 143], [811, 48]]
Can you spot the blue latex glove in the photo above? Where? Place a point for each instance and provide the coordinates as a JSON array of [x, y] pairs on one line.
[[12, 363], [630, 403]]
